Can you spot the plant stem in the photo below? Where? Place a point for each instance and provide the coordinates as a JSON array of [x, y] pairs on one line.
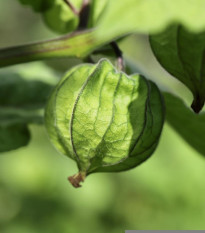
[[84, 14], [197, 103], [78, 44], [118, 52], [70, 5]]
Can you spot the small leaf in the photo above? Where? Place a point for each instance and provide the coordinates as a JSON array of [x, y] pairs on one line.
[[189, 125], [103, 119], [56, 13], [60, 18], [182, 54]]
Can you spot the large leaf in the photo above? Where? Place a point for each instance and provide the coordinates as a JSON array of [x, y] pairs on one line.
[[122, 17], [182, 54], [189, 125], [115, 20]]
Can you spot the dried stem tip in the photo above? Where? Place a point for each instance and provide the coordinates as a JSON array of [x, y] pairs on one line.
[[76, 179]]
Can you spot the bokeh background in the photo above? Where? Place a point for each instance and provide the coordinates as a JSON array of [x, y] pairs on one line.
[[166, 192]]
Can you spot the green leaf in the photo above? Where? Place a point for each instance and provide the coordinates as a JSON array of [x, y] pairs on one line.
[[104, 119], [12, 116], [38, 5], [189, 125], [19, 101], [14, 132], [56, 13], [16, 92], [146, 16], [182, 54], [60, 18], [13, 136], [97, 10]]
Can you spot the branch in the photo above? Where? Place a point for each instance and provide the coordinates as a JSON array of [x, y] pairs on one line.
[[78, 44]]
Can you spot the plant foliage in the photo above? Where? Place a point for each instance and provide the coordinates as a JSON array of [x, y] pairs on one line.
[[97, 115]]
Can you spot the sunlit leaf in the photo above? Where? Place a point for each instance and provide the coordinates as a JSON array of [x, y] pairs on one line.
[[97, 10], [122, 17]]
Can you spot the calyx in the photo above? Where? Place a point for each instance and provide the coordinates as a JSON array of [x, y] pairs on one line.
[[103, 119]]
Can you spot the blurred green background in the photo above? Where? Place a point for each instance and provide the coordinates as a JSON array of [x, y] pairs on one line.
[[166, 192]]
